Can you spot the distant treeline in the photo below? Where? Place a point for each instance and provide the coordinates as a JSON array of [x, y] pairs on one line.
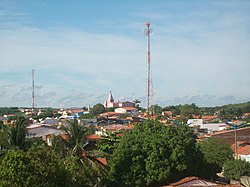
[[236, 109], [8, 110]]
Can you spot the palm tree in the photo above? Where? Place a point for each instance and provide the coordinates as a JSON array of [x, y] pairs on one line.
[[18, 132], [245, 181], [13, 136], [75, 141], [75, 144]]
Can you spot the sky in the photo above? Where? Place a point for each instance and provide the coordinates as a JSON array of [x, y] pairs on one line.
[[82, 50]]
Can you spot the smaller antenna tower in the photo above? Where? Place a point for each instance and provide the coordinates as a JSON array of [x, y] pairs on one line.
[[33, 91], [148, 32]]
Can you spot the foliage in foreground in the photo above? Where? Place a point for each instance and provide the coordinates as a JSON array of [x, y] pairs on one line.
[[36, 167], [235, 169], [215, 153], [40, 166], [13, 136], [153, 154]]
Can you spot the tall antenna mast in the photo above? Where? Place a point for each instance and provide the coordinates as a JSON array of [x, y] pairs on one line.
[[33, 92], [148, 32]]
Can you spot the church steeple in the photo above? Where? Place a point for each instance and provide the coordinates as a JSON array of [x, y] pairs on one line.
[[110, 98], [110, 102]]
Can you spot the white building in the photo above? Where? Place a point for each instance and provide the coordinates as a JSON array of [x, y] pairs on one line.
[[110, 102], [127, 110]]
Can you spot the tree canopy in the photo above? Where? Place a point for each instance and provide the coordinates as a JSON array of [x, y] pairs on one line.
[[97, 109], [153, 154], [235, 169], [35, 167], [215, 152], [13, 136]]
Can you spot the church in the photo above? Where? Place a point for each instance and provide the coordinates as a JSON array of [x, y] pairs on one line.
[[110, 102]]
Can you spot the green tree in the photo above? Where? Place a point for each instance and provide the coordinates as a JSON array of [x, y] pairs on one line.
[[97, 109], [108, 143], [76, 138], [230, 113], [216, 152], [235, 169], [188, 110], [75, 145], [9, 110], [18, 132], [13, 136], [153, 154], [35, 167], [156, 109], [87, 116], [112, 109], [79, 173], [137, 104]]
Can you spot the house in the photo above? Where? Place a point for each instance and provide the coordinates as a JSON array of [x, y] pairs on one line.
[[126, 104], [206, 127], [127, 110], [113, 115], [213, 127], [51, 121], [43, 131], [194, 122], [245, 115], [244, 153], [167, 113], [208, 119], [195, 181], [101, 131], [243, 150], [110, 103], [3, 119], [72, 113]]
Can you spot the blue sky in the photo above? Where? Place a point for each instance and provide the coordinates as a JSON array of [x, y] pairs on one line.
[[81, 50]]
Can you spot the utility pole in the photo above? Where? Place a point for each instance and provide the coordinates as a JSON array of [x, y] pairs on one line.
[[235, 141], [148, 32]]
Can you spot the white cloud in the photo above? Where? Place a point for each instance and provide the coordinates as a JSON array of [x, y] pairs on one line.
[[190, 57]]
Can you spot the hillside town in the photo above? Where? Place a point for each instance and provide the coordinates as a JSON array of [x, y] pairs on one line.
[[124, 93], [106, 124]]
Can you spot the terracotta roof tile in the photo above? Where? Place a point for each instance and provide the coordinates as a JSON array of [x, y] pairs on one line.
[[103, 161], [245, 150], [93, 137]]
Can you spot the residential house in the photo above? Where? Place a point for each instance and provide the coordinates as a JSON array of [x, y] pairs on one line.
[[194, 122], [206, 127], [112, 115], [43, 131], [209, 119], [72, 113], [198, 182], [3, 119], [213, 127], [243, 150], [245, 115], [127, 110], [168, 113], [101, 131]]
